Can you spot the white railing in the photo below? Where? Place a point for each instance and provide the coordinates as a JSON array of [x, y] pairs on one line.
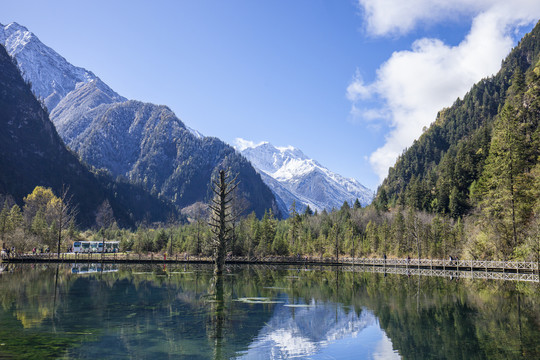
[[514, 266]]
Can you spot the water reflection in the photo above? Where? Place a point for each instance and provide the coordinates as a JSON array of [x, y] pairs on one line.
[[320, 330], [151, 312]]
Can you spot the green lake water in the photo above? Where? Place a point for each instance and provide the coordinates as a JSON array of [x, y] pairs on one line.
[[257, 312]]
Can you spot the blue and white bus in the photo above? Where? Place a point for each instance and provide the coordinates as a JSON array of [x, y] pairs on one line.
[[95, 246]]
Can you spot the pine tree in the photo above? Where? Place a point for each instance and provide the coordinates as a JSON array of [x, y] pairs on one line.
[[268, 232], [502, 188], [295, 222], [4, 223]]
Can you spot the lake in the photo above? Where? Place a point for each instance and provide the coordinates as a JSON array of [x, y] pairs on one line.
[[260, 312]]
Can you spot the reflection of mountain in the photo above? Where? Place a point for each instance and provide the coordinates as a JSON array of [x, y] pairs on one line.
[[297, 331]]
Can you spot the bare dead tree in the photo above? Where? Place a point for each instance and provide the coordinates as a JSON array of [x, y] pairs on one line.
[[65, 213], [104, 219], [221, 218]]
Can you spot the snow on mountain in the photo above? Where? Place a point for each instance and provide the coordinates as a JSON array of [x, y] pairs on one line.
[[197, 134], [52, 77], [314, 327], [293, 176], [68, 91], [142, 142], [77, 110]]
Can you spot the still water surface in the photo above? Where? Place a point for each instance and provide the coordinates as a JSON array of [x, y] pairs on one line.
[[157, 312]]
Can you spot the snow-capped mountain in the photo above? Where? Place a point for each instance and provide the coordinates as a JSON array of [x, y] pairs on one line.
[[142, 142], [52, 77], [293, 176]]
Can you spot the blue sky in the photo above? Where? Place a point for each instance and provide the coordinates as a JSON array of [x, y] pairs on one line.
[[351, 83]]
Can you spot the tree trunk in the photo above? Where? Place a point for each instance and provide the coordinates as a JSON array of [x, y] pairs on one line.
[[221, 219]]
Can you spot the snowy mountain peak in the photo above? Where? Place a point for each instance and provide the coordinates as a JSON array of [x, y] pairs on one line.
[[14, 27], [52, 77], [293, 176], [279, 162]]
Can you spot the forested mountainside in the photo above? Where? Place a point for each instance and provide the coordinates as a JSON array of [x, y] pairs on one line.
[[142, 143], [32, 154], [148, 145], [439, 171]]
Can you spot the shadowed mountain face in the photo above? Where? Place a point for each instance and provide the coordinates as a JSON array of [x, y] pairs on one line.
[[141, 142], [33, 154]]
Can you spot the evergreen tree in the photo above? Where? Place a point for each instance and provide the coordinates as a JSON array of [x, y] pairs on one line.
[[161, 240], [4, 223], [502, 188], [398, 233], [268, 233], [295, 222], [381, 201]]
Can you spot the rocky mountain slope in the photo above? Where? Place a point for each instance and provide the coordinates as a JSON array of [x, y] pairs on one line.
[[52, 77], [293, 176], [32, 154], [141, 142]]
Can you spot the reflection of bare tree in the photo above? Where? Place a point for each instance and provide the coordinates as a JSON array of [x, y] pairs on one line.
[[54, 301], [217, 316]]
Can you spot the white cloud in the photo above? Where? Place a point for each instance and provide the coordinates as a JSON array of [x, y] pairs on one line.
[[385, 17], [357, 90], [414, 85]]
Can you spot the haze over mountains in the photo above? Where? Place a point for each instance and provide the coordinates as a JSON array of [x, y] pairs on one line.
[[148, 145], [294, 177]]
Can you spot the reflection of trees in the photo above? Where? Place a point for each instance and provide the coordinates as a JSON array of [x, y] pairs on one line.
[[27, 294], [441, 318], [424, 317], [144, 305]]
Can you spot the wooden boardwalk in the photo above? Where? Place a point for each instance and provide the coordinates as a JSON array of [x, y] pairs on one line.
[[408, 264], [454, 274], [454, 269]]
